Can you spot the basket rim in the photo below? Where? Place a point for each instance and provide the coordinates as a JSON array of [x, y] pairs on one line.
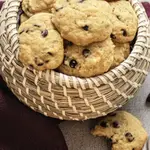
[[61, 79]]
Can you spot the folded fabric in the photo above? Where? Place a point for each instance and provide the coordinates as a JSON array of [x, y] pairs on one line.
[[24, 129], [147, 8]]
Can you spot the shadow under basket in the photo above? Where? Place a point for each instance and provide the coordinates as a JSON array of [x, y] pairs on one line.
[[67, 97]]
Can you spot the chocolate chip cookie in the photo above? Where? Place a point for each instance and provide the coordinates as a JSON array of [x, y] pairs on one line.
[[124, 130], [41, 46], [88, 61], [124, 21], [23, 18], [84, 22], [121, 52], [31, 7]]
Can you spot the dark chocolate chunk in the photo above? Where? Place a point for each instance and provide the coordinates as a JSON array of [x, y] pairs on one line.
[[49, 53], [36, 25], [115, 124], [21, 32], [86, 28], [44, 33], [86, 52], [40, 64], [104, 124], [129, 136], [113, 36], [118, 17], [124, 32], [73, 63], [59, 8], [148, 98], [46, 61]]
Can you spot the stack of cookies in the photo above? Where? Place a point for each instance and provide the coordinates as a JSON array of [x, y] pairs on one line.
[[81, 38]]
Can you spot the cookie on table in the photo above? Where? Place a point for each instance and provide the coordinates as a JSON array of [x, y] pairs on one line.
[[121, 52], [124, 130], [88, 61], [41, 46], [84, 22], [31, 7], [124, 20]]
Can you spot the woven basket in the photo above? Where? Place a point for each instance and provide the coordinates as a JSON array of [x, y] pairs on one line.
[[66, 97]]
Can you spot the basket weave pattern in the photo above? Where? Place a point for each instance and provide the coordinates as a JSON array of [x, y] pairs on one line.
[[66, 97]]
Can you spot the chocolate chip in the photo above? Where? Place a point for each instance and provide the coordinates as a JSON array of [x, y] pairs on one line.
[[118, 17], [86, 28], [113, 36], [49, 53], [86, 52], [67, 43], [36, 25], [44, 33], [40, 64], [27, 31], [129, 136], [59, 9], [113, 114], [21, 32], [148, 98], [73, 63], [104, 124], [124, 32], [115, 124], [46, 61]]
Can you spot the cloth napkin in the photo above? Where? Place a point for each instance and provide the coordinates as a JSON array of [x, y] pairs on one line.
[[24, 129]]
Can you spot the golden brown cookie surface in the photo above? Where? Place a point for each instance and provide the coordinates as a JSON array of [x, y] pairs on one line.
[[88, 61], [41, 46]]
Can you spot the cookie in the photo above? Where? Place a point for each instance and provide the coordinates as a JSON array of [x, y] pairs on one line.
[[23, 18], [84, 22], [121, 52], [124, 130], [59, 4], [124, 20], [87, 61], [31, 7], [41, 46]]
